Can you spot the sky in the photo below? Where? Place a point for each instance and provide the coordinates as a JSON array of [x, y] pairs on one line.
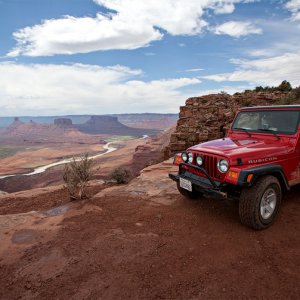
[[61, 57]]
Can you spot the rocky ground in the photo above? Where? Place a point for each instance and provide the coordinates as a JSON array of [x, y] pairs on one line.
[[144, 241]]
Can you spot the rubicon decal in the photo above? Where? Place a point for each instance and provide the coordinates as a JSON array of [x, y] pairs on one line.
[[261, 160]]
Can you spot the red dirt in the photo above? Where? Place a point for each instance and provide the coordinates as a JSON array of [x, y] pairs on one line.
[[52, 197], [125, 245]]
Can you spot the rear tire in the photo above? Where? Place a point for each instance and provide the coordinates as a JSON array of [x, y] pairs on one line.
[[194, 195], [259, 204]]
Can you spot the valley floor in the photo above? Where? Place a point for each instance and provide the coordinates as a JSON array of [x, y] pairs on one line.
[[144, 241]]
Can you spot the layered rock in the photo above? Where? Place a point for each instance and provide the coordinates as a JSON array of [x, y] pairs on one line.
[[208, 117], [149, 120], [110, 125], [152, 152], [61, 131]]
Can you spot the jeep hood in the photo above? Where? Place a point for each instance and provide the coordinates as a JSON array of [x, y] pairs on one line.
[[246, 149]]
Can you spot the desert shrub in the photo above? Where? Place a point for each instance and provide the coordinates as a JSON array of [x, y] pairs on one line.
[[77, 175], [296, 93], [121, 175], [246, 102], [223, 93], [287, 100], [284, 86], [259, 89]]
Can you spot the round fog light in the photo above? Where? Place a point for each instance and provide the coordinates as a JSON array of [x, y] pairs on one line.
[[199, 161], [191, 158], [184, 156], [223, 165]]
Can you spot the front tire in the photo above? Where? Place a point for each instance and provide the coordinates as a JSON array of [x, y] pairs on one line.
[[194, 195], [260, 203]]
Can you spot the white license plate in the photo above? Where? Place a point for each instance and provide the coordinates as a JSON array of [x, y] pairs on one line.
[[185, 184]]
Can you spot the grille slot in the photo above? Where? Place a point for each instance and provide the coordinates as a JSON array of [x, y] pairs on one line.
[[210, 165]]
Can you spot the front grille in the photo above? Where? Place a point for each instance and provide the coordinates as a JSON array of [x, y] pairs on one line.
[[210, 165]]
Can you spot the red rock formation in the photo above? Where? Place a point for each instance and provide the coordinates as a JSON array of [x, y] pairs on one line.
[[149, 120], [152, 152], [110, 125], [61, 131]]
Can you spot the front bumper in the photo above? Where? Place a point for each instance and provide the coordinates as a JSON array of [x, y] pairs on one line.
[[201, 184]]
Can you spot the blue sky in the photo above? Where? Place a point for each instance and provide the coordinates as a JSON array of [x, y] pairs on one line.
[[120, 56]]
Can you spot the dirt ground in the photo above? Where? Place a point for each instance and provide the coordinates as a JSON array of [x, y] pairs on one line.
[[145, 241]]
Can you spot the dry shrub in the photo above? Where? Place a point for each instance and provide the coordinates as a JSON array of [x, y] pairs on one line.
[[77, 175], [121, 175]]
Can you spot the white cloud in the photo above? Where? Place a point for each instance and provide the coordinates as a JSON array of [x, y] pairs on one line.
[[277, 48], [227, 89], [131, 24], [224, 8], [194, 70], [294, 7], [68, 89], [71, 35], [237, 29], [265, 71]]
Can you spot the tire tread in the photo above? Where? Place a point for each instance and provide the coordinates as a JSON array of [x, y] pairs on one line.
[[249, 204]]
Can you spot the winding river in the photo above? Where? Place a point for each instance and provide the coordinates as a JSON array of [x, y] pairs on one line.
[[42, 169]]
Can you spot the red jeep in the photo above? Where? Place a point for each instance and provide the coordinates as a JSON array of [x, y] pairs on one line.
[[255, 163]]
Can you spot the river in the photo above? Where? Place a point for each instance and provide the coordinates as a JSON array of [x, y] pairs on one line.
[[42, 169]]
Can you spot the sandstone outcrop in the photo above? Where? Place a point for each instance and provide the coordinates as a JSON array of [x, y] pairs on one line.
[[60, 132], [208, 117], [152, 152], [110, 125], [148, 120]]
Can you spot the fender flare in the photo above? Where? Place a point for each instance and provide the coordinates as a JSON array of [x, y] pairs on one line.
[[270, 169]]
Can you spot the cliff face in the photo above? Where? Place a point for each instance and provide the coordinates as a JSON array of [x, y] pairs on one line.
[[149, 120], [110, 125], [208, 117], [61, 131]]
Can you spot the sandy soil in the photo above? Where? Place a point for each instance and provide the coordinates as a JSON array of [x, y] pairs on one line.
[[145, 241]]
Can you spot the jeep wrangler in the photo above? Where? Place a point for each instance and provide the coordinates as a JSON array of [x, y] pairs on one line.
[[255, 163]]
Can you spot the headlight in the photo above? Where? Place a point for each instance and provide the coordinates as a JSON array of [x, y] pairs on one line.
[[223, 165], [199, 160], [184, 156], [191, 158]]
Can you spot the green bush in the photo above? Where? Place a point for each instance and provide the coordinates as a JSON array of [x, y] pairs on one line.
[[287, 100], [296, 93], [284, 86], [246, 102], [76, 176], [259, 89], [121, 175]]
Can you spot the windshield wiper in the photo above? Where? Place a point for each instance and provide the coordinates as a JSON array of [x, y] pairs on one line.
[[243, 129], [270, 130]]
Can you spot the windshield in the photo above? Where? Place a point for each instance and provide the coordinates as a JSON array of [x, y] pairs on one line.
[[280, 121]]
